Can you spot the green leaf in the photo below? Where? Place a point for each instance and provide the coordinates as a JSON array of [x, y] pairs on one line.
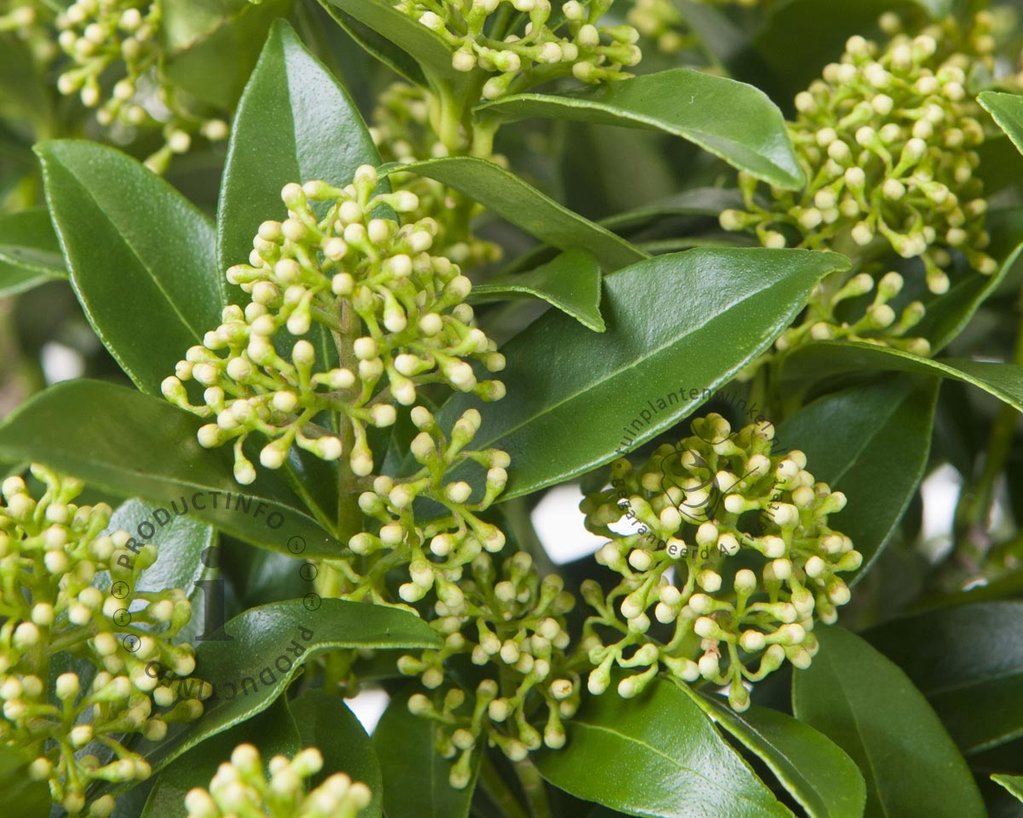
[[814, 770], [295, 123], [272, 732], [1013, 783], [511, 198], [29, 251], [415, 776], [826, 358], [133, 445], [571, 282], [948, 315], [21, 795], [267, 646], [425, 46], [141, 256], [23, 93], [734, 121], [869, 708], [377, 45], [179, 540], [878, 458], [968, 662], [1007, 111], [210, 46], [656, 756], [600, 396], [326, 723]]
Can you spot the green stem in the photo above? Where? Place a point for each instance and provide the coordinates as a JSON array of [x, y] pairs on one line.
[[535, 788], [497, 789], [974, 507]]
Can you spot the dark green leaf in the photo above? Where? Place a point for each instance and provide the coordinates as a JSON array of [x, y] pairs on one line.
[[1004, 381], [412, 37], [877, 459], [141, 256], [571, 282], [1007, 111], [136, 446], [272, 732], [267, 646], [210, 46], [656, 756], [732, 120], [415, 776], [869, 708], [295, 123], [326, 723], [510, 198], [23, 93], [600, 396], [968, 662], [29, 251], [377, 45], [817, 773], [1013, 783]]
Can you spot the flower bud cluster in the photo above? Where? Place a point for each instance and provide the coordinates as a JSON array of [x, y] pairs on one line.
[[732, 564], [240, 787], [403, 133], [548, 44], [511, 623], [435, 552], [878, 323], [888, 140], [124, 36], [31, 22], [341, 262], [661, 22], [66, 590]]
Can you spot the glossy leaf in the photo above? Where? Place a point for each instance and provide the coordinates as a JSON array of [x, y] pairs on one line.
[[326, 723], [968, 661], [877, 460], [141, 256], [266, 646], [377, 45], [415, 776], [571, 282], [210, 46], [600, 396], [868, 707], [29, 251], [133, 445], [511, 198], [295, 123], [424, 45], [732, 120], [656, 756], [272, 732], [1007, 111], [814, 770], [1004, 381], [179, 540], [1013, 783]]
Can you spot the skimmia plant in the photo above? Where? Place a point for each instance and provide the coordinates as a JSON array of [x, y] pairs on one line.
[[616, 461]]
